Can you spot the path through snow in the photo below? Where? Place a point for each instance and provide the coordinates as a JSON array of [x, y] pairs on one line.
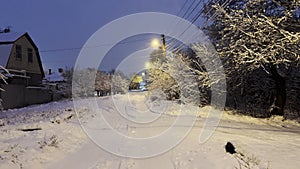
[[62, 143]]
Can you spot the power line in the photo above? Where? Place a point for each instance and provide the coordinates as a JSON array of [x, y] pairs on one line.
[[61, 49], [206, 23], [193, 19], [189, 8], [79, 48], [182, 7], [186, 12], [194, 9], [172, 25]]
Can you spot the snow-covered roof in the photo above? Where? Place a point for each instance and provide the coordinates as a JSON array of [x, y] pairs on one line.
[[5, 50], [6, 43], [54, 77], [10, 37]]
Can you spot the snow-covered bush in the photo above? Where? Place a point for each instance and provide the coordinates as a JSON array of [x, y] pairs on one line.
[[119, 83], [188, 77]]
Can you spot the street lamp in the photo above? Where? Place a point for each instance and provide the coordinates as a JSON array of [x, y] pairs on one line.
[[155, 43]]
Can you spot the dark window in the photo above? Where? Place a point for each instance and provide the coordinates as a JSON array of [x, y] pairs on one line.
[[30, 55], [18, 52]]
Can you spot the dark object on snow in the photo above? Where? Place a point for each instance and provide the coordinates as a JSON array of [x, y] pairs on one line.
[[230, 148], [31, 129]]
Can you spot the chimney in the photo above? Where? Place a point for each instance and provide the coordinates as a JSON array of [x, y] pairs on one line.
[[60, 70], [49, 72], [6, 30]]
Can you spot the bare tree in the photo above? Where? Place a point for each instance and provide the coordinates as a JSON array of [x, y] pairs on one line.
[[2, 76], [103, 83], [120, 84], [2, 79], [83, 82], [259, 43]]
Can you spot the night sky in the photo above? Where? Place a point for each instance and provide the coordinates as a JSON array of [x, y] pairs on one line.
[[61, 27]]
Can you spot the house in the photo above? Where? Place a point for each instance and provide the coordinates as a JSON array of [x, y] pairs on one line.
[[58, 83], [55, 77], [55, 81], [20, 56]]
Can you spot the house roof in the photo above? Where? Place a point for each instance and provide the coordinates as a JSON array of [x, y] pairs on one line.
[[54, 77], [5, 50], [10, 38]]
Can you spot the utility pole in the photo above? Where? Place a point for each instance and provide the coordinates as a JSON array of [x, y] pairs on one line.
[[164, 44]]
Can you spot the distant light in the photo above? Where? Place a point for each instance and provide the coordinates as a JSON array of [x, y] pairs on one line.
[[155, 43], [148, 65]]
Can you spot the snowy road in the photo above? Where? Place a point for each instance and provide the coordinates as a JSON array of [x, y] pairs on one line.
[[61, 142]]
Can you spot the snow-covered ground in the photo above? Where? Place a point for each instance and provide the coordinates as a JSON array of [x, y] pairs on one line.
[[50, 136]]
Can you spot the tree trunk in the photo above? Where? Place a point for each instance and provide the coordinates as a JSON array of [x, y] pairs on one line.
[[280, 95]]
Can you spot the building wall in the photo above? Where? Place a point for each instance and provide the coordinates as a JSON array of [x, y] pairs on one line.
[[13, 96], [16, 96], [23, 64], [35, 79]]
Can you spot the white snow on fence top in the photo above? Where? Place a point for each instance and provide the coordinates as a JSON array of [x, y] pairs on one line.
[[10, 37], [5, 50]]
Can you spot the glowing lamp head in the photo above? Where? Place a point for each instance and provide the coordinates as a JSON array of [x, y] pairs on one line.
[[155, 43]]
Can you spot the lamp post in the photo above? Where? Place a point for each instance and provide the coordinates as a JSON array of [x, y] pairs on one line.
[[163, 43]]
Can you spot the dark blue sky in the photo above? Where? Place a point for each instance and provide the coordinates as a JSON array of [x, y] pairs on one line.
[[67, 24]]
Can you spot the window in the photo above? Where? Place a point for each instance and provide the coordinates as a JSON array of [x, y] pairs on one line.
[[30, 55], [18, 52]]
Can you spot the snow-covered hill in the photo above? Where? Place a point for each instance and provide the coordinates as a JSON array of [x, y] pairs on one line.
[[50, 136]]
